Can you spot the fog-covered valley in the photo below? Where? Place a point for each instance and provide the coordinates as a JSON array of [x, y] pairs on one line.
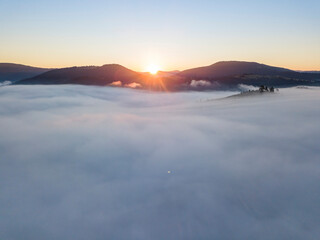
[[83, 162]]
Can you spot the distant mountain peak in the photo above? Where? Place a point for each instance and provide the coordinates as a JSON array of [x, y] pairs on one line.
[[115, 66], [220, 74], [231, 68], [14, 72]]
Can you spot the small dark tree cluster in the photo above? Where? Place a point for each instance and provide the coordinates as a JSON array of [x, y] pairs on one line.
[[266, 89]]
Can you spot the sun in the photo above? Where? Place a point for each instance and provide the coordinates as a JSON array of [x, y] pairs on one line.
[[153, 69]]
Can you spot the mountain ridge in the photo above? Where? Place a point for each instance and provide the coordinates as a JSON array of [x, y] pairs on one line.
[[224, 74], [15, 72], [87, 75], [231, 68]]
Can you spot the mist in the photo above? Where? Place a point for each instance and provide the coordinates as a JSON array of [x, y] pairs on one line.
[[79, 162]]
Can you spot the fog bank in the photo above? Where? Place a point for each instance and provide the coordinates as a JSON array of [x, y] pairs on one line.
[[80, 162]]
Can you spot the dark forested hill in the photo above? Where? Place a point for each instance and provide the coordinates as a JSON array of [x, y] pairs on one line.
[[14, 72], [219, 75], [91, 75], [231, 68]]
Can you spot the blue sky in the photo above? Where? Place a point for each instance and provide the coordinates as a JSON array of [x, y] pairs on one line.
[[170, 34]]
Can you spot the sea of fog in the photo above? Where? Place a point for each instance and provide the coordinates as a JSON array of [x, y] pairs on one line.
[[79, 162]]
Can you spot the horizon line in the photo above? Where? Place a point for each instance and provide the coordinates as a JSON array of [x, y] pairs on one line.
[[161, 70]]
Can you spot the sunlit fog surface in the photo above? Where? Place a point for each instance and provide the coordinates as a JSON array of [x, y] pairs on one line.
[[80, 162]]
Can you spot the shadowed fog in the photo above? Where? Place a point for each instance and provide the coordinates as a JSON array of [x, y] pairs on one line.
[[92, 163]]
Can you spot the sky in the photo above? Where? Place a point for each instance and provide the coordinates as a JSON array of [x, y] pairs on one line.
[[173, 35], [83, 162]]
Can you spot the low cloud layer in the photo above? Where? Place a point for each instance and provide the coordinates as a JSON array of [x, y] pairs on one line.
[[5, 83], [244, 87], [129, 85], [200, 83], [81, 162], [133, 85]]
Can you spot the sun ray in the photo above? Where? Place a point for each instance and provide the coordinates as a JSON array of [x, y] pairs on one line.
[[153, 69]]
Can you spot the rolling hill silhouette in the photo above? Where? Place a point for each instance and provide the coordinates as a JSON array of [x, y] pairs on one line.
[[232, 68], [220, 75], [90, 75], [14, 72], [231, 73]]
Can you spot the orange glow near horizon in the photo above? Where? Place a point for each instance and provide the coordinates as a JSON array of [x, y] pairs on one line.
[[66, 63], [153, 69]]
